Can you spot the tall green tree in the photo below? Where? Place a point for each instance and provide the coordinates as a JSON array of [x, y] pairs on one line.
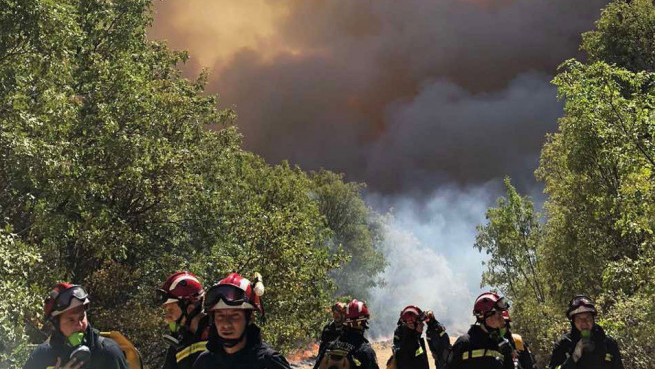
[[510, 238], [110, 177], [356, 230], [598, 175]]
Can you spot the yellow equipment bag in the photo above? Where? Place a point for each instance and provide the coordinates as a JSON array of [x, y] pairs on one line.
[[335, 359], [518, 342], [131, 353]]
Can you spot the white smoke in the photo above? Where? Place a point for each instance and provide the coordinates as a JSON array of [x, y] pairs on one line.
[[432, 262]]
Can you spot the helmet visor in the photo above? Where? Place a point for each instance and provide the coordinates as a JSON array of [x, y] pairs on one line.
[[162, 297], [581, 301], [231, 296], [65, 298], [502, 304], [581, 304]]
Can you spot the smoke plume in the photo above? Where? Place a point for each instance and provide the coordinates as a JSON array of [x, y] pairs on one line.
[[431, 103]]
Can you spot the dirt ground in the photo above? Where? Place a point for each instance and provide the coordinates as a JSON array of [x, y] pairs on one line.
[[382, 350]]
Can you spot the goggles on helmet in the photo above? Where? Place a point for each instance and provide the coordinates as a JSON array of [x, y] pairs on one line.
[[64, 299], [161, 296], [581, 301], [231, 296], [502, 304]]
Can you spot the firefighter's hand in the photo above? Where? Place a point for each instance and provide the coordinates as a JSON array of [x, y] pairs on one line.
[[69, 365], [582, 347], [432, 323], [505, 347]]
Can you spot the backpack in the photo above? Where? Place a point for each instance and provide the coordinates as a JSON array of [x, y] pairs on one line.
[[335, 359], [132, 355]]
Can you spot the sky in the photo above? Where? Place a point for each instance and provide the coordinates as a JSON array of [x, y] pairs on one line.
[[430, 102]]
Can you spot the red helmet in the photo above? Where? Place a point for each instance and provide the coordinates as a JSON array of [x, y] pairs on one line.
[[356, 314], [233, 292], [488, 303], [180, 286], [506, 316], [63, 297], [339, 307], [580, 304], [411, 313]]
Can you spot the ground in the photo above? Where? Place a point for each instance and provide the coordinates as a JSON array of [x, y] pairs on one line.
[[382, 349]]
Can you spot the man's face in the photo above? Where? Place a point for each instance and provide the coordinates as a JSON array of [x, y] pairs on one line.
[[230, 323], [583, 321], [338, 316], [172, 312], [73, 321], [495, 320]]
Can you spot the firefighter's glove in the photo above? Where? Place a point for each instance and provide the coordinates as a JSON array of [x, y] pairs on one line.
[[433, 324], [505, 347]]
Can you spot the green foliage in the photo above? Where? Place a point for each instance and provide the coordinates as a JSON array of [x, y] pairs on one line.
[[17, 260], [598, 171], [510, 238], [110, 177], [625, 36], [356, 229]]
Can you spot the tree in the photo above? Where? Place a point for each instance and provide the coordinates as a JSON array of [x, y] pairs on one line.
[[18, 303], [624, 35], [510, 238], [356, 229], [109, 175]]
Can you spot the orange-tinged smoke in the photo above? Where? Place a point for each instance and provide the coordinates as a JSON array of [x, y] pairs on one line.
[[213, 31]]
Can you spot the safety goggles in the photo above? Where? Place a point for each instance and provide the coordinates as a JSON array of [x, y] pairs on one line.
[[581, 301], [64, 299], [230, 295], [162, 297], [502, 304]]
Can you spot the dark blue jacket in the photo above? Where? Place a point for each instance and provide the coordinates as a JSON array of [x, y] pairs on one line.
[[255, 355], [190, 346], [478, 350], [605, 354], [105, 352]]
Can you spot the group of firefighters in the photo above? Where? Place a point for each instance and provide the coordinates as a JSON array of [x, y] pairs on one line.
[[216, 329]]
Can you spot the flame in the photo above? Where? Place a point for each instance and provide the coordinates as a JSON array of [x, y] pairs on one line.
[[303, 354]]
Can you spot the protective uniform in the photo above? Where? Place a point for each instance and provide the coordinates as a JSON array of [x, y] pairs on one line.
[[236, 292], [184, 289], [97, 352], [351, 349], [573, 351], [483, 347]]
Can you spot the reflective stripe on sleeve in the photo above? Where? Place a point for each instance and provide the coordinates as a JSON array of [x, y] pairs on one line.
[[608, 357], [190, 350], [482, 353]]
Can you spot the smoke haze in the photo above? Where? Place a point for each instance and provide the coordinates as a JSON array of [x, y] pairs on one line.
[[431, 103]]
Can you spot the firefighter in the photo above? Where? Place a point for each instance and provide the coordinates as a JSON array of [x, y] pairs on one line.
[[484, 345], [181, 298], [408, 345], [234, 339], [351, 349], [333, 329], [74, 344], [586, 346]]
